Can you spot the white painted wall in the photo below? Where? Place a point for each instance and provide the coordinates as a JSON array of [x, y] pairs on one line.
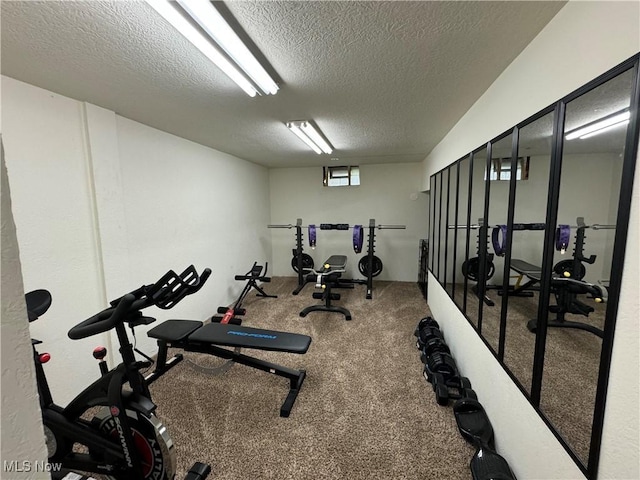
[[388, 193], [22, 434], [575, 47], [104, 205], [188, 204], [45, 151]]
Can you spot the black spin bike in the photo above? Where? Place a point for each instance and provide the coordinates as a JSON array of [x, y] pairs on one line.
[[123, 439]]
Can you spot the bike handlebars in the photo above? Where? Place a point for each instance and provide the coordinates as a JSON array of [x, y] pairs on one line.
[[172, 288], [165, 294], [103, 321]]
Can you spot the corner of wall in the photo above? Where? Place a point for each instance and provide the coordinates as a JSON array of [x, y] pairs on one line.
[[22, 434]]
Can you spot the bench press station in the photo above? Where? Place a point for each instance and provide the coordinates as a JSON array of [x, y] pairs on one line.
[[326, 278], [195, 336]]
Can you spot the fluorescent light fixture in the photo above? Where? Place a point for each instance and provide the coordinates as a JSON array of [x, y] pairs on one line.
[[306, 132], [600, 126], [203, 12], [217, 29]]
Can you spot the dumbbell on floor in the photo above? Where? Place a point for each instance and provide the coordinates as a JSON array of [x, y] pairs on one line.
[[453, 388]]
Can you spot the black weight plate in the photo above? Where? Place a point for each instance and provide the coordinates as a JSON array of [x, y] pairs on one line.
[[307, 262], [471, 269], [363, 266], [491, 269], [567, 266]]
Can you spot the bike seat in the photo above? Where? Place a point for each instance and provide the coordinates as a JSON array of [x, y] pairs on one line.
[[38, 302]]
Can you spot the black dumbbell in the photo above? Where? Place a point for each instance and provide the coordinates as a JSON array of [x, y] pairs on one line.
[[442, 363], [453, 388], [426, 333], [434, 344], [425, 322]]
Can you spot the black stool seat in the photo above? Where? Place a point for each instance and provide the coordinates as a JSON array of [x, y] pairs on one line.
[[174, 330], [246, 337]]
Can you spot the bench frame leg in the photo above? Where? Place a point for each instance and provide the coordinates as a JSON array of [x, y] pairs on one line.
[[296, 377]]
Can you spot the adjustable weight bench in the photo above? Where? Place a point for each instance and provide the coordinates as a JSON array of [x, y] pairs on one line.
[[524, 269], [194, 336], [326, 278]]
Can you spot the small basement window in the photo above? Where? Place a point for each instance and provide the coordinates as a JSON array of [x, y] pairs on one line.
[[501, 168], [340, 176]]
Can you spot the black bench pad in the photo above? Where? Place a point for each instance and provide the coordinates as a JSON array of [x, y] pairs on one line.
[[337, 263], [174, 330], [246, 337], [526, 268]]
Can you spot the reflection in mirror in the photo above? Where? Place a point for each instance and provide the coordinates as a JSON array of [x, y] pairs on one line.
[[436, 225], [496, 237], [501, 168], [471, 268], [534, 143], [444, 201], [588, 205], [432, 223], [462, 231], [451, 232]]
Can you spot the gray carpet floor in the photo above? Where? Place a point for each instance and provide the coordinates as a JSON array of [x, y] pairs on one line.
[[364, 411]]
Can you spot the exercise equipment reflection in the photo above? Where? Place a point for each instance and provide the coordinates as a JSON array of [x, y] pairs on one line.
[[566, 281]]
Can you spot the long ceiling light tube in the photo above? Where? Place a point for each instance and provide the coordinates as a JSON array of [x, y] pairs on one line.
[[306, 132], [203, 43], [295, 128], [600, 126], [212, 22], [315, 137]]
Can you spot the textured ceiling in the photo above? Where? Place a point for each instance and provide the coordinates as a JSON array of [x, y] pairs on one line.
[[384, 81]]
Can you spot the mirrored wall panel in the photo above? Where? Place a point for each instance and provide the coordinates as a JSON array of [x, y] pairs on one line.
[[525, 266], [528, 239], [443, 226], [471, 269], [462, 231], [433, 219], [594, 140], [499, 179], [436, 224], [442, 230], [451, 230]]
